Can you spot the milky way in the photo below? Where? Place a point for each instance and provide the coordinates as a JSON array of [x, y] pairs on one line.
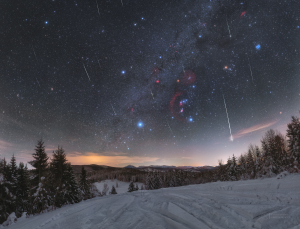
[[147, 78]]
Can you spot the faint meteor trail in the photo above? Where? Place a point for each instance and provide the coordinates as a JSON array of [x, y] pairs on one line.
[[99, 63], [86, 72], [170, 127], [37, 81], [228, 27], [34, 53], [250, 68], [122, 3], [113, 108], [97, 7], [231, 138], [152, 95]]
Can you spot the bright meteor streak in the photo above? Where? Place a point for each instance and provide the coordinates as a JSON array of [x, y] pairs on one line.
[[231, 138], [86, 72]]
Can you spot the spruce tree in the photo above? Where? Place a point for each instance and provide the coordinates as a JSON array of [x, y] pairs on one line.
[[70, 188], [58, 168], [22, 190], [293, 135], [149, 182], [84, 185], [40, 162], [270, 164], [6, 197], [131, 187], [113, 190]]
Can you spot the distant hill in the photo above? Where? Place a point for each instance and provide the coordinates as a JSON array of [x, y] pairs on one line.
[[130, 167], [167, 167]]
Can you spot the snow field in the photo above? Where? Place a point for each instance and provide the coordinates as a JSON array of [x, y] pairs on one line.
[[122, 186], [268, 203]]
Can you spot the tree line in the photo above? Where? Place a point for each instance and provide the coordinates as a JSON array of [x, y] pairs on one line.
[[49, 185], [276, 155]]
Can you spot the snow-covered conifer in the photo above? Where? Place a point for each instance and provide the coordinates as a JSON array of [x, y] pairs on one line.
[[40, 162], [131, 187], [84, 185], [113, 190]]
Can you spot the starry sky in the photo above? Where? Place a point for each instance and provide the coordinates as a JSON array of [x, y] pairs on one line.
[[121, 82]]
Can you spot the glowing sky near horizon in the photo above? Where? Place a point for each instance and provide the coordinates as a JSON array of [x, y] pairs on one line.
[[144, 83]]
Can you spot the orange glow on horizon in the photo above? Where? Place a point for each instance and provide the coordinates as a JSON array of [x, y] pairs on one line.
[[117, 161]]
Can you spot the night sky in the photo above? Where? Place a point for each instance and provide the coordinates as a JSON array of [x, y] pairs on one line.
[[146, 82]]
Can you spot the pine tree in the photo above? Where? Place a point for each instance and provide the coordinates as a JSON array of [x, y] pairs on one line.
[[149, 182], [250, 168], [6, 197], [221, 172], [270, 164], [136, 187], [242, 167], [11, 178], [131, 187], [84, 185], [113, 190], [70, 187], [232, 169], [293, 135], [13, 174], [41, 199], [40, 162], [22, 190], [58, 168]]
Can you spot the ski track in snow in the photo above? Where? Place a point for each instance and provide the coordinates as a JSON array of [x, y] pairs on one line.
[[268, 203]]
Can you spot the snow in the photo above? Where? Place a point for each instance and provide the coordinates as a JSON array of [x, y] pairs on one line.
[[122, 186], [264, 203]]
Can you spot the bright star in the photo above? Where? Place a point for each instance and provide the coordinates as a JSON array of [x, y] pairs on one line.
[[191, 119], [46, 22], [257, 47], [123, 72], [140, 124], [200, 36]]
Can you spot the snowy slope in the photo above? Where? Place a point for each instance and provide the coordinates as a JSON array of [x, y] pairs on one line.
[[122, 186], [269, 203]]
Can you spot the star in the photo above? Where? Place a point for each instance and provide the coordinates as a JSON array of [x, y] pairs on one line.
[[140, 124], [257, 47]]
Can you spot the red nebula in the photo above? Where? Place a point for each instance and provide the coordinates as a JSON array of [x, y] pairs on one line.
[[157, 81], [173, 107], [189, 77], [242, 14]]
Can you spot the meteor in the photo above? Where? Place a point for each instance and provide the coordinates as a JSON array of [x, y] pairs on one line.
[[86, 72], [113, 108], [98, 7], [231, 138]]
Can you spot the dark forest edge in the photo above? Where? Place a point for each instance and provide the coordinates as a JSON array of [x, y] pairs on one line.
[[52, 183]]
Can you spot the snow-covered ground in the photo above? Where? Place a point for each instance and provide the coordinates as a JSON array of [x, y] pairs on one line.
[[122, 186], [268, 203]]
